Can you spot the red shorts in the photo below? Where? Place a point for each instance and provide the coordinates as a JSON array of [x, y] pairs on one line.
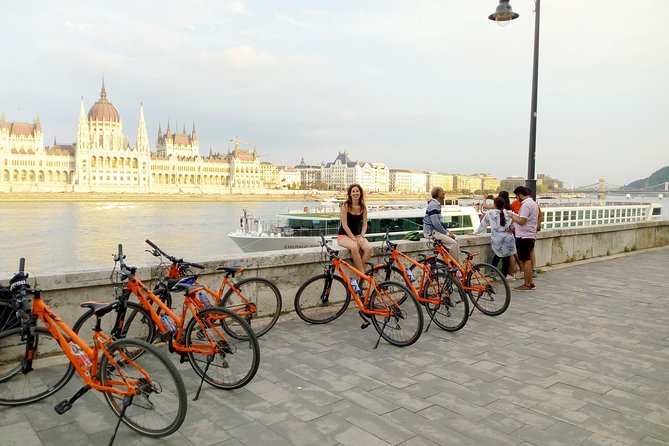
[[343, 236]]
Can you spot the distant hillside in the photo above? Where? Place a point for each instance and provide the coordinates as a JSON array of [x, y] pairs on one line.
[[658, 177]]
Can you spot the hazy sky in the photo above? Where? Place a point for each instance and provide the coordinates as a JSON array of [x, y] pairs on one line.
[[417, 84]]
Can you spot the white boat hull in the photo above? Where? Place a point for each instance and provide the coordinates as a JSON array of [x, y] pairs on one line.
[[254, 243]]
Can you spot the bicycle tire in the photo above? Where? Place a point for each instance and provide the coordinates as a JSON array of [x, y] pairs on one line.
[[266, 297], [452, 313], [405, 308], [381, 274], [490, 300], [237, 358], [137, 323], [51, 368], [8, 318], [315, 302], [160, 407]]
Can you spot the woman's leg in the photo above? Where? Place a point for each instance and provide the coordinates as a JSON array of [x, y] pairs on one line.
[[495, 260], [366, 251], [352, 247], [505, 265]]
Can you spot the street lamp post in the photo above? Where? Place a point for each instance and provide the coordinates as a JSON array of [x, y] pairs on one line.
[[502, 14]]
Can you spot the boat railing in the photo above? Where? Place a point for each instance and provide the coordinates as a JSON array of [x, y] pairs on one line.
[[576, 216]]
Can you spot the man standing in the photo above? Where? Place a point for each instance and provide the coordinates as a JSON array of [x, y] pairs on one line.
[[432, 226], [525, 224]]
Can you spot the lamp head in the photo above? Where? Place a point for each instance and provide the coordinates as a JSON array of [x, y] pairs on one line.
[[503, 12]]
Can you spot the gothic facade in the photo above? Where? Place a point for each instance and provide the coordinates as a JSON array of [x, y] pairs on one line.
[[102, 160]]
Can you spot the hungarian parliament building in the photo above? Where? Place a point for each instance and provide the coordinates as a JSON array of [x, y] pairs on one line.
[[101, 160]]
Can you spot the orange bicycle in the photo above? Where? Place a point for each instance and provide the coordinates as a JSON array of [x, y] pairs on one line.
[[139, 382], [392, 308], [486, 285], [219, 345], [256, 300], [442, 296]]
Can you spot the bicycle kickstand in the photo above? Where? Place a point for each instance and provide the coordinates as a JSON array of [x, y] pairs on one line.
[[66, 404], [210, 358], [127, 401], [385, 322], [429, 323]]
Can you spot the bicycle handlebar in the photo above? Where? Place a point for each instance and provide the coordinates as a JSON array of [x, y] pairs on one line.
[[324, 244], [19, 287], [173, 259]]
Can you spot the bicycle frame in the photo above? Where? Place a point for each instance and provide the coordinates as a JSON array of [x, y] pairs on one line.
[[396, 255], [57, 327], [446, 256], [147, 298], [175, 272], [341, 266]]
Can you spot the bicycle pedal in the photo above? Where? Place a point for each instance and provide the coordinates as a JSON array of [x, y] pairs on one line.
[[365, 324], [183, 359], [62, 407]]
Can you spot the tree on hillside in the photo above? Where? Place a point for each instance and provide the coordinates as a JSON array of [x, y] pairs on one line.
[[658, 177]]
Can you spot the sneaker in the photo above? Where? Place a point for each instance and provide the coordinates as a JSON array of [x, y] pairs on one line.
[[533, 286], [534, 273], [510, 278], [524, 287]]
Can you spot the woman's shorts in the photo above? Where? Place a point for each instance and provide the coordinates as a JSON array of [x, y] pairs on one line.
[[343, 236]]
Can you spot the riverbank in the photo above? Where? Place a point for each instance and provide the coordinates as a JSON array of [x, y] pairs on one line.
[[269, 195]]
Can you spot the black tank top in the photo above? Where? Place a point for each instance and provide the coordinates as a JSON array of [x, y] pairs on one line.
[[354, 222]]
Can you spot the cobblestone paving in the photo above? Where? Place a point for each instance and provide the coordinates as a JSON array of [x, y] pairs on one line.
[[584, 359]]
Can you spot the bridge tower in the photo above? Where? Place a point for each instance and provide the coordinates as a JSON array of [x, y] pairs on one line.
[[601, 190]]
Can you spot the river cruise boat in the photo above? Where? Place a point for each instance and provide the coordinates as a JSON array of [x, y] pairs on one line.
[[303, 229]]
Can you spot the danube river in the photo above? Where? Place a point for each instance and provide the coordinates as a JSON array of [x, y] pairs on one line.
[[73, 236], [65, 236]]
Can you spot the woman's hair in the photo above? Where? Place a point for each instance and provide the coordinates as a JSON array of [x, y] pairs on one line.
[[505, 195], [349, 199], [500, 204]]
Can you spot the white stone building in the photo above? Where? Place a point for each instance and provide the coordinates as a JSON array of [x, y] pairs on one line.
[[372, 177], [102, 160]]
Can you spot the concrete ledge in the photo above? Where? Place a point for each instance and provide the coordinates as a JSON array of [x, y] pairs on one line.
[[289, 269]]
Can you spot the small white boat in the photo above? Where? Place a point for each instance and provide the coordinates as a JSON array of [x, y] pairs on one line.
[[303, 229]]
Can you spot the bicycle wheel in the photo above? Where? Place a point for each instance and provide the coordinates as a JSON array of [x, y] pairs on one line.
[[382, 274], [50, 368], [491, 293], [263, 294], [159, 408], [8, 319], [137, 324], [236, 358], [322, 299], [452, 312], [405, 324]]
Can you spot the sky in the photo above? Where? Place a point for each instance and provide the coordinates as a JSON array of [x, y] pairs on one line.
[[415, 84]]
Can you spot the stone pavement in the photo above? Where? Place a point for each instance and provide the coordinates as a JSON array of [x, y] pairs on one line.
[[582, 360]]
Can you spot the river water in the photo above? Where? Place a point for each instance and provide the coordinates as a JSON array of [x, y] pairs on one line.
[[73, 236]]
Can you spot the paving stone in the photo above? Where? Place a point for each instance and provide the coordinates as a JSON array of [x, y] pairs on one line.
[[566, 364], [297, 432], [19, 433], [521, 414], [257, 433]]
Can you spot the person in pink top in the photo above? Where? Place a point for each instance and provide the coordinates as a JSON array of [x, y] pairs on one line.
[[525, 224]]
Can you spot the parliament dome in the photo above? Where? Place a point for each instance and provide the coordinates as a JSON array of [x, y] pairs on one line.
[[103, 110]]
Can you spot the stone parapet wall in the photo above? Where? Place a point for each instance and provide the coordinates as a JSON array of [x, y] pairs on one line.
[[289, 269]]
